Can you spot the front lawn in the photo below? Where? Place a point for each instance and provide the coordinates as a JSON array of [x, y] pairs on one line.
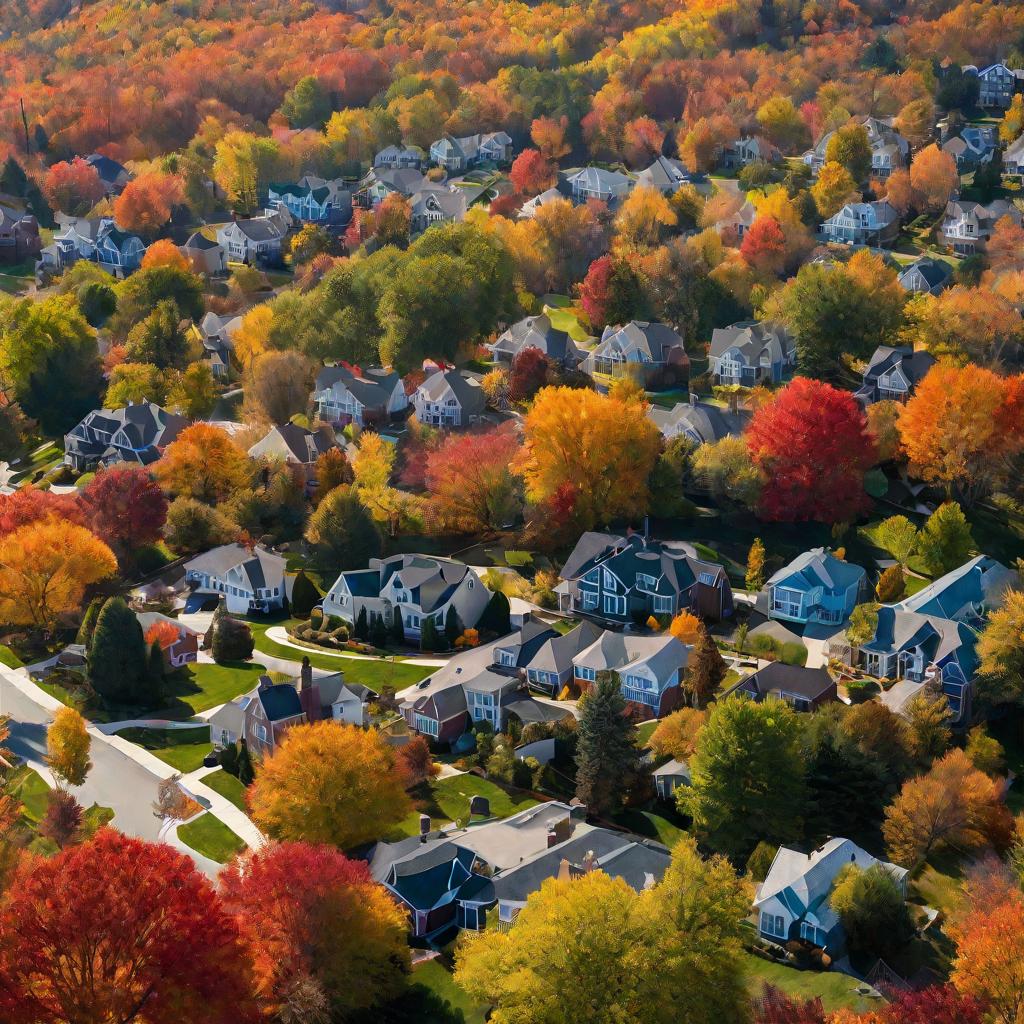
[[202, 686], [438, 980], [837, 991], [447, 800], [644, 732], [228, 786], [182, 749], [210, 837], [9, 658], [651, 826], [31, 790]]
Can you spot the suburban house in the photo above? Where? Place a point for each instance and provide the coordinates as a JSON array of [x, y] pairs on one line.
[[268, 713], [391, 157], [925, 276], [751, 352], [650, 670], [816, 587], [413, 586], [669, 777], [217, 334], [996, 84], [733, 227], [113, 176], [531, 206], [313, 200], [597, 183], [96, 239], [348, 394], [622, 579], [458, 155], [536, 332], [205, 255], [893, 373], [889, 150], [19, 236], [639, 345], [967, 226], [295, 446], [255, 240], [701, 422], [804, 689], [1013, 158], [973, 146], [380, 182], [876, 224], [748, 150], [793, 900], [665, 174], [251, 580], [436, 204], [451, 398], [351, 702], [182, 651], [137, 433]]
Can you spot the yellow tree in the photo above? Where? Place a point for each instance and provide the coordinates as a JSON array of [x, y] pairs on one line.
[[372, 465], [603, 448], [203, 463], [67, 744], [252, 338], [934, 175], [834, 188], [329, 783], [644, 217], [685, 627], [45, 568], [676, 735]]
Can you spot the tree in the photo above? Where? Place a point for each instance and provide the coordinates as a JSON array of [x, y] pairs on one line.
[[124, 507], [899, 192], [30, 504], [677, 733], [329, 783], [934, 176], [872, 910], [817, 473], [881, 735], [332, 470], [118, 659], [644, 217], [930, 719], [953, 804], [531, 172], [392, 221], [67, 744], [341, 532], [147, 201], [1005, 249], [192, 526], [607, 757], [45, 568], [134, 382], [246, 773], [685, 627], [430, 638], [202, 462], [1001, 651], [971, 324], [937, 1004], [415, 762], [985, 752], [13, 179], [280, 384], [725, 469], [192, 391], [773, 1006], [782, 123], [106, 931], [850, 147], [764, 246], [244, 165], [164, 253], [139, 294], [602, 446], [309, 243], [945, 540], [62, 822], [305, 595], [863, 623], [528, 373], [898, 536], [252, 338], [496, 616], [159, 339], [232, 641], [742, 746], [72, 187], [548, 135], [307, 104], [891, 585], [755, 576], [310, 912], [834, 188], [705, 669]]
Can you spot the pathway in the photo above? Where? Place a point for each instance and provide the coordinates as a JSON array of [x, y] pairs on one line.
[[279, 635]]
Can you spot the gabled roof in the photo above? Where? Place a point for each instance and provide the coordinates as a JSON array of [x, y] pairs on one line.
[[818, 568], [256, 229], [290, 441], [372, 387], [934, 272], [464, 386], [109, 170], [258, 565], [912, 365], [537, 332], [981, 583], [597, 179], [701, 421], [663, 172], [653, 340], [619, 652], [197, 240], [750, 338], [795, 679], [279, 700], [557, 652]]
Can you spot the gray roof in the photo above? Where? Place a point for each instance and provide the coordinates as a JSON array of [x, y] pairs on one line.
[[664, 173], [701, 421], [289, 439], [372, 387], [914, 365], [934, 272], [654, 340], [464, 386], [618, 651], [262, 567], [810, 683], [557, 652], [537, 332], [673, 770], [257, 229], [751, 338]]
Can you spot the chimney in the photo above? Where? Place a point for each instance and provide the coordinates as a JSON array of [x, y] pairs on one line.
[[589, 862], [264, 681], [305, 675], [564, 871], [424, 827]]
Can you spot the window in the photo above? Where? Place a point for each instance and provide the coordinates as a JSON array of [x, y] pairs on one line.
[[707, 578], [786, 601], [582, 672], [589, 600], [261, 731], [506, 658], [608, 579], [662, 604], [645, 582], [426, 725], [470, 582], [614, 605], [772, 924]]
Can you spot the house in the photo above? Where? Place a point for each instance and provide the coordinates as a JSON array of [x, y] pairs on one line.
[[536, 332], [751, 352], [437, 204], [925, 276], [268, 713], [597, 183], [622, 579], [348, 394], [793, 900], [748, 150], [890, 151], [996, 84], [251, 580], [816, 587], [452, 398], [975, 145], [804, 689], [113, 176], [19, 236], [967, 226], [96, 239], [733, 227], [351, 703], [650, 670], [893, 373], [669, 777], [458, 155], [313, 200], [182, 651], [412, 586], [217, 335], [665, 174], [701, 422], [529, 209], [647, 347], [137, 433], [875, 224], [205, 255], [295, 446], [391, 157], [1013, 158], [381, 182], [254, 240]]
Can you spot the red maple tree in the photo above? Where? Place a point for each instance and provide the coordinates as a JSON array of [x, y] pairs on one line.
[[764, 246], [527, 374], [124, 507], [531, 172]]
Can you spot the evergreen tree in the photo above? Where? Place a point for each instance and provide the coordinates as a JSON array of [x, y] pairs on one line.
[[155, 675], [305, 596], [397, 627], [245, 772], [232, 641], [705, 669], [430, 640], [452, 625], [228, 759], [218, 614], [362, 627], [40, 138], [118, 661], [496, 616], [755, 566], [88, 626], [36, 204], [13, 179], [607, 757], [379, 632]]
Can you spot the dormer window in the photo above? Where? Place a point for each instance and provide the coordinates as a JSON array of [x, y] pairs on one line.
[[608, 579]]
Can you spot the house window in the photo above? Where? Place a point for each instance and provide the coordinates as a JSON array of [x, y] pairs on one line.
[[707, 578], [430, 726], [609, 580], [816, 936], [582, 672], [772, 924], [589, 600], [614, 605], [645, 582], [662, 604], [786, 601], [506, 658], [261, 731], [470, 582]]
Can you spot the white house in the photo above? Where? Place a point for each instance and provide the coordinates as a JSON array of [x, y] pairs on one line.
[[875, 224], [996, 84], [256, 240], [313, 200], [349, 394], [597, 183], [751, 352], [967, 225], [436, 204], [391, 157], [748, 150], [459, 154], [641, 344], [250, 580], [449, 399]]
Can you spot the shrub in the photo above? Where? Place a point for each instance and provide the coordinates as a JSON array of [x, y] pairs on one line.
[[793, 653], [232, 641], [861, 690]]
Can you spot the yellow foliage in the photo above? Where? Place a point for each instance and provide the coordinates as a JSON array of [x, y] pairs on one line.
[[68, 742], [685, 627], [252, 338]]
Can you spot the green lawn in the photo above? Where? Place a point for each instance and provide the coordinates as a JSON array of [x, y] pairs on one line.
[[651, 826], [447, 800], [435, 977], [563, 316], [203, 685], [837, 991], [644, 731], [937, 883], [33, 792], [228, 786], [9, 658], [183, 749], [211, 837]]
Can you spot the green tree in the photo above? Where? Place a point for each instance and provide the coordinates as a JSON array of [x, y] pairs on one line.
[[156, 672], [850, 147], [1001, 652], [891, 585], [232, 641], [496, 616], [246, 775], [341, 533], [430, 638], [159, 339], [97, 301], [929, 719], [985, 752], [452, 625], [305, 595], [726, 470], [13, 179], [705, 669], [139, 294], [755, 577], [872, 910], [747, 776], [193, 526], [192, 391], [134, 382], [308, 104], [863, 623], [945, 540], [397, 628], [361, 627], [898, 536], [118, 659], [228, 758], [607, 757], [88, 625]]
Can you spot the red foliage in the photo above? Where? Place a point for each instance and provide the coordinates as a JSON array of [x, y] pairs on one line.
[[595, 289], [72, 187], [146, 203], [163, 633], [813, 444], [125, 507], [764, 246], [527, 374], [507, 205], [773, 1006], [415, 762], [119, 930], [940, 1004], [28, 504], [531, 173]]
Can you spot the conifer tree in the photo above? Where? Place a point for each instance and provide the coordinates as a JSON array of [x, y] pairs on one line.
[[118, 661], [705, 669], [452, 625], [755, 566], [245, 772]]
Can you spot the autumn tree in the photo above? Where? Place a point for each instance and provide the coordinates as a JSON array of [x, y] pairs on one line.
[[814, 472], [328, 783], [898, 536], [73, 187], [30, 504], [978, 325], [164, 253], [124, 507], [62, 822], [415, 762], [45, 568], [332, 469], [193, 527], [308, 913], [244, 165], [531, 172], [850, 147], [549, 136], [754, 579], [773, 1006], [934, 176], [604, 447], [1001, 651], [705, 669], [392, 221], [341, 532], [147, 201], [191, 392], [676, 735], [726, 470], [203, 463], [106, 931], [781, 122], [764, 246], [834, 188], [279, 384], [134, 382], [1005, 249], [644, 217], [67, 744], [685, 627]]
